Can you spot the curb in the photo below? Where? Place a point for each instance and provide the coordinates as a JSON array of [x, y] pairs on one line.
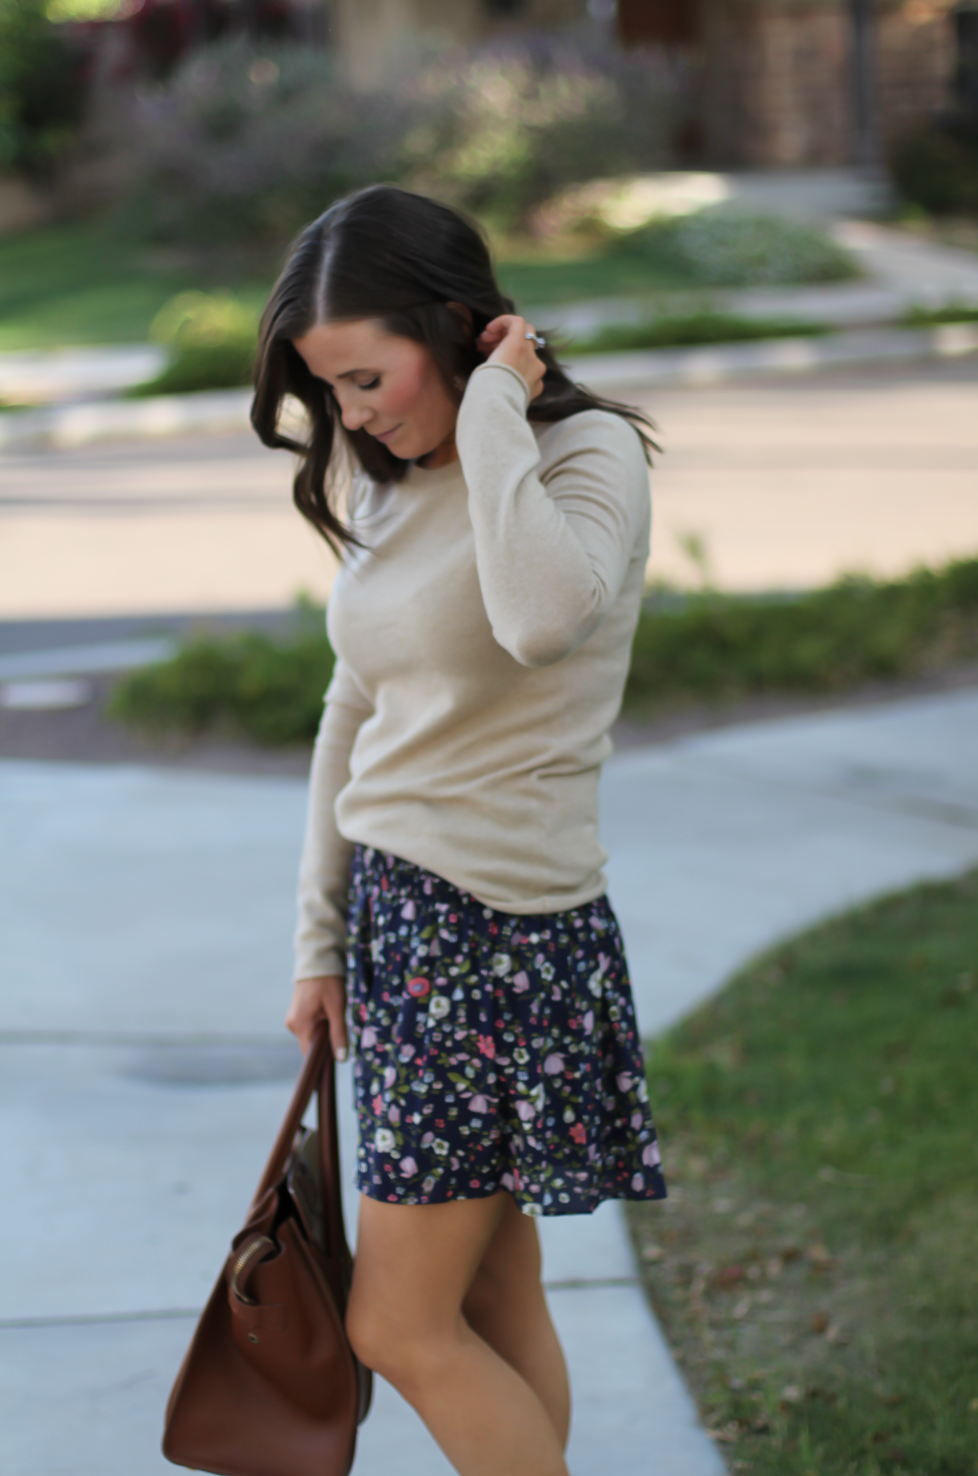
[[226, 411], [714, 365], [66, 426]]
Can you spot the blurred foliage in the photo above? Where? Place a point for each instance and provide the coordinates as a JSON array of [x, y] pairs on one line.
[[937, 169], [89, 282], [211, 339], [721, 647], [41, 90], [951, 312], [270, 690], [814, 1265], [707, 646], [245, 145], [675, 330], [733, 246]]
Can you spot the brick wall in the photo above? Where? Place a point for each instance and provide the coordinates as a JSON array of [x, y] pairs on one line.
[[776, 79]]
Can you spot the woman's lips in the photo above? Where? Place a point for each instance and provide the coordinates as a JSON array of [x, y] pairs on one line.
[[386, 435]]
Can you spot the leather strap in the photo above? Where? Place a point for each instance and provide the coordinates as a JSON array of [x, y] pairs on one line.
[[329, 1156], [317, 1072]]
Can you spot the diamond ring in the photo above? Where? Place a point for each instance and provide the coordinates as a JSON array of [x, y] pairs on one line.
[[536, 338]]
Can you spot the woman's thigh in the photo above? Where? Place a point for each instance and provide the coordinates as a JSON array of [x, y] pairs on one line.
[[414, 1267]]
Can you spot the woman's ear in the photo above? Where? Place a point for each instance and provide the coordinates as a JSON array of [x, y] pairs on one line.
[[463, 313]]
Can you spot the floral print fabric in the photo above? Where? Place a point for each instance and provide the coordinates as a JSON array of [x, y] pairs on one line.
[[492, 1051]]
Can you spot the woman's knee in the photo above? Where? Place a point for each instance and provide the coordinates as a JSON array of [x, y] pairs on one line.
[[400, 1352]]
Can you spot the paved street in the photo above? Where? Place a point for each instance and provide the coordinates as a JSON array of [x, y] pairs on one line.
[[788, 483]]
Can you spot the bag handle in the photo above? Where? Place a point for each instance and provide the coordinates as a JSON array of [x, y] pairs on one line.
[[317, 1071], [329, 1163]]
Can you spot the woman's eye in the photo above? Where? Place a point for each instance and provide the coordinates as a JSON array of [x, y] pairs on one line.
[[372, 385]]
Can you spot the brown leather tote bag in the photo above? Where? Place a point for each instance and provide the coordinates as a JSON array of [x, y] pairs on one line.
[[270, 1385]]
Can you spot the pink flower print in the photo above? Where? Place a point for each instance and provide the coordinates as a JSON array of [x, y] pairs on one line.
[[521, 983], [427, 1140], [427, 1186], [525, 1111], [478, 1104], [578, 1133], [394, 1114], [390, 1076], [368, 1038], [418, 986], [589, 1021], [624, 1081], [487, 1046], [378, 1105], [409, 910], [554, 1064], [508, 1182], [651, 1154], [638, 1183], [408, 1167], [434, 949], [406, 1052], [637, 1120]]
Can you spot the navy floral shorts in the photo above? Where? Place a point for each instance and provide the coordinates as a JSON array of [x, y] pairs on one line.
[[492, 1051]]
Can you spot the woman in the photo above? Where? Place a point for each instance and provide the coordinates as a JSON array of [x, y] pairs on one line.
[[451, 884]]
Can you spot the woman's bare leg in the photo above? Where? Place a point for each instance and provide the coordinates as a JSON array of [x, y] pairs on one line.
[[506, 1306], [414, 1268]]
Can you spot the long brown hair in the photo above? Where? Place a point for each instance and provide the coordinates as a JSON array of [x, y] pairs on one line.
[[387, 254]]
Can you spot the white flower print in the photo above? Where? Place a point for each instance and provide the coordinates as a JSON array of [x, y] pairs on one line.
[[439, 1006], [501, 964], [384, 1140]]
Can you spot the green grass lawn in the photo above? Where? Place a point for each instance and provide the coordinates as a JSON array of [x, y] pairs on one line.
[[815, 1267], [543, 281], [85, 283]]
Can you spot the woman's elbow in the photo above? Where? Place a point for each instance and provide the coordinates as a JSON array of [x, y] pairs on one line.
[[544, 644]]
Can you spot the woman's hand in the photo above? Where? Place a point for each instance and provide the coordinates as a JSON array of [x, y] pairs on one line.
[[504, 340], [321, 998]]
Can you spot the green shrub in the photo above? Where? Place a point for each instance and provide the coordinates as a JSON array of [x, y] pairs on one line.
[[721, 647], [708, 647], [269, 690], [693, 328], [931, 317], [731, 246], [938, 171], [211, 339], [41, 93]]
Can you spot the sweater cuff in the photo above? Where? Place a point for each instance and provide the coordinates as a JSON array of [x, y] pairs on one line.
[[316, 965]]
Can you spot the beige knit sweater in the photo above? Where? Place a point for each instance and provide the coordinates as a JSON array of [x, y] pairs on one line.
[[482, 646]]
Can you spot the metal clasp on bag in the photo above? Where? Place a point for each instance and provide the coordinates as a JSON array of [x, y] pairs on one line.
[[260, 1245]]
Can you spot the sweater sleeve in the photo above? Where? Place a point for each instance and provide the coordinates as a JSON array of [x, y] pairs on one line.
[[552, 547], [324, 872]]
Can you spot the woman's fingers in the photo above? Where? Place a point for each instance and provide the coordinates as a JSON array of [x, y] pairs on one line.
[[509, 339], [313, 1000]]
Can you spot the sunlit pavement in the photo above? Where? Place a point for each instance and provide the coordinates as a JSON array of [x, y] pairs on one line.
[[786, 483], [146, 923]]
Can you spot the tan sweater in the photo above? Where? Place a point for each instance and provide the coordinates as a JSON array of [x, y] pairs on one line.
[[482, 647]]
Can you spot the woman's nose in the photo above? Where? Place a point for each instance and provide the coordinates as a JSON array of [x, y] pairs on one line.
[[355, 417]]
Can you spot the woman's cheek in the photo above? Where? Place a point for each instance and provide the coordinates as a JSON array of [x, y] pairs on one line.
[[404, 391]]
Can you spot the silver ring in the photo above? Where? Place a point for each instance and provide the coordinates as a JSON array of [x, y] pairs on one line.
[[536, 338]]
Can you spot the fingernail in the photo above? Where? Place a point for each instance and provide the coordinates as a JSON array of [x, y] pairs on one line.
[[340, 1053]]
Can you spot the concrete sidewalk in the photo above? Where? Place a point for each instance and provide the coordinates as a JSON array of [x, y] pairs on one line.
[[146, 937]]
